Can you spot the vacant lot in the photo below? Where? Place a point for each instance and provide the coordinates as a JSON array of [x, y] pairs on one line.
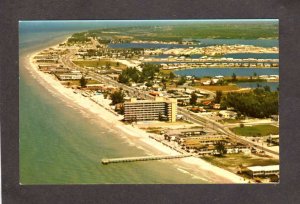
[[219, 88], [256, 130], [233, 161], [77, 83]]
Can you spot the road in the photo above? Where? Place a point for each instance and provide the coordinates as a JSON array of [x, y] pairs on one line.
[[200, 120], [274, 123], [222, 129]]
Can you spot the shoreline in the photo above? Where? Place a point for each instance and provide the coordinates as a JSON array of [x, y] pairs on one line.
[[107, 118]]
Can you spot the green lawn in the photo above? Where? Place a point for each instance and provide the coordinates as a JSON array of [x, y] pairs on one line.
[[99, 63], [224, 88], [256, 130], [165, 72]]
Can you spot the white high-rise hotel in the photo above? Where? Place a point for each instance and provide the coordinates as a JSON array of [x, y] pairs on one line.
[[159, 109]]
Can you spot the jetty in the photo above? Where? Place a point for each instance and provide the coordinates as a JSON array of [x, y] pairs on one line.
[[144, 158]]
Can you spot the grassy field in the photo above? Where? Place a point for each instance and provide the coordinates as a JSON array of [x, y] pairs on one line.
[[231, 121], [99, 63], [195, 30], [224, 88], [256, 130], [233, 161], [76, 82], [165, 72]]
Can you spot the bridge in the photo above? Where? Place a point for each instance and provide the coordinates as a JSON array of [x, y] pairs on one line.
[[144, 158]]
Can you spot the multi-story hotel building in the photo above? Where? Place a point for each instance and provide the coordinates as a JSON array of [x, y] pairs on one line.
[[159, 109]]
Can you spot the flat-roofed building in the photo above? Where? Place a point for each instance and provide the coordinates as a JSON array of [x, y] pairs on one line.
[[69, 76], [263, 170], [94, 86], [47, 59], [148, 110], [47, 68], [198, 141], [60, 70]]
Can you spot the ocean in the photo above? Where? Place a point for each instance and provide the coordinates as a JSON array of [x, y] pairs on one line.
[[63, 144]]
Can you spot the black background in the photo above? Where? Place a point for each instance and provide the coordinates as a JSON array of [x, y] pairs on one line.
[[11, 11]]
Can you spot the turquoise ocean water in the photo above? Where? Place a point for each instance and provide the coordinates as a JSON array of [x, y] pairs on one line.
[[62, 144]]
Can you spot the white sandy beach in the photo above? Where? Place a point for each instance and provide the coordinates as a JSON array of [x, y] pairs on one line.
[[133, 133]]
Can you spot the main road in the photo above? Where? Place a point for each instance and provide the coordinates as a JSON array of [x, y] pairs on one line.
[[200, 120]]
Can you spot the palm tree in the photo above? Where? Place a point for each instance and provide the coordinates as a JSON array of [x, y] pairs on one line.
[[220, 147], [233, 77]]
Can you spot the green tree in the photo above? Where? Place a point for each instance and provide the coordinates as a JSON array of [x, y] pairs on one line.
[[220, 147], [149, 84], [117, 97], [218, 96], [233, 77], [181, 81], [130, 74], [193, 99], [172, 75], [122, 110], [258, 103], [83, 81], [267, 88], [105, 95], [149, 71], [238, 115], [107, 65], [123, 79], [193, 82], [164, 82]]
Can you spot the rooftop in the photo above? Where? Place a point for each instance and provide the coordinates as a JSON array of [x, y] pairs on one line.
[[264, 168], [157, 99]]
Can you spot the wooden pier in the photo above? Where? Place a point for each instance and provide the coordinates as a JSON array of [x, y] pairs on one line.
[[145, 158]]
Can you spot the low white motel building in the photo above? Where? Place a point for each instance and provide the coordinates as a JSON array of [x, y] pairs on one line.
[[263, 170]]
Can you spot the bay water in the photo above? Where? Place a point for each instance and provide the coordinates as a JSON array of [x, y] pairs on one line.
[[61, 143]]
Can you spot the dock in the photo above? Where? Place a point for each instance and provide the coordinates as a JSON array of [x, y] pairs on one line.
[[144, 158]]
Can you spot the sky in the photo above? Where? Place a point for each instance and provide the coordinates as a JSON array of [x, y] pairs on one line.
[[78, 25]]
